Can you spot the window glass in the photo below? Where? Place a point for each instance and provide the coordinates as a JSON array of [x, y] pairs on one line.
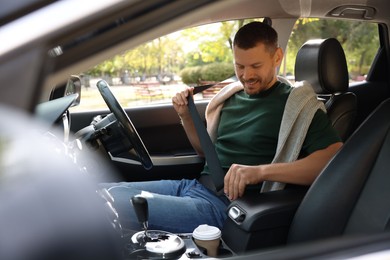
[[153, 72], [360, 41]]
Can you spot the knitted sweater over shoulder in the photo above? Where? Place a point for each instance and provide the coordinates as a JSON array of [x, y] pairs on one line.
[[299, 111]]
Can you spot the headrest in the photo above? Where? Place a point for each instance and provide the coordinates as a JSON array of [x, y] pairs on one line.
[[322, 63]]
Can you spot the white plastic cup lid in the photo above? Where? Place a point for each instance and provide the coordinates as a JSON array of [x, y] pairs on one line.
[[206, 232]]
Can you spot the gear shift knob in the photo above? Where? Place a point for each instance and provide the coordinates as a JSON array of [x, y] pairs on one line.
[[140, 205]]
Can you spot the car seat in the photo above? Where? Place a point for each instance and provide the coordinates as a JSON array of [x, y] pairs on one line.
[[322, 63], [350, 195], [347, 199]]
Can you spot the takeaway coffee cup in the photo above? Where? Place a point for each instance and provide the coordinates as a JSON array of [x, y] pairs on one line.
[[207, 237]]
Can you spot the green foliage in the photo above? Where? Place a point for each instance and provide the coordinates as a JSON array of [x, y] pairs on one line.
[[210, 47], [170, 54], [160, 56], [211, 72], [359, 40], [191, 75], [217, 71]]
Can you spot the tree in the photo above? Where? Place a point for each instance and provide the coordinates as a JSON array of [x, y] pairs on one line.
[[203, 45], [358, 39], [199, 46]]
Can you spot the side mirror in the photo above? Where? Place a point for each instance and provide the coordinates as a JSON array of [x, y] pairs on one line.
[[73, 86]]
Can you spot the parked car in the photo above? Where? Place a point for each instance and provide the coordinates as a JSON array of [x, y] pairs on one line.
[[53, 154]]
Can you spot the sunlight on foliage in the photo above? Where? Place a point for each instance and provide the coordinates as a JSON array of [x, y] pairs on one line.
[[359, 40], [156, 69]]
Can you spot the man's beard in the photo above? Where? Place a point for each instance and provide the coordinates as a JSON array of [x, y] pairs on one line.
[[256, 84]]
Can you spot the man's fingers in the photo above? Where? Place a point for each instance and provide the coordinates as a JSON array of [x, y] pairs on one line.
[[181, 97], [241, 187], [226, 183], [238, 186], [235, 181], [232, 183], [229, 183]]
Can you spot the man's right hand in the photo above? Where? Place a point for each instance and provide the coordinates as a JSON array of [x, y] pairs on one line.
[[180, 102]]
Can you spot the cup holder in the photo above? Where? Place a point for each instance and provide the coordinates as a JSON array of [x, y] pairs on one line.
[[222, 250]]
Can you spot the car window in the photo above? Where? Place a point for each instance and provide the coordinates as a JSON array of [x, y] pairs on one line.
[[360, 41], [153, 72]]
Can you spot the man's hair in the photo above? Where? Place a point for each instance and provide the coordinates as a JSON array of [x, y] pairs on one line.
[[251, 34]]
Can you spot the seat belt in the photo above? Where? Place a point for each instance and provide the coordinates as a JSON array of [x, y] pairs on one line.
[[216, 182]]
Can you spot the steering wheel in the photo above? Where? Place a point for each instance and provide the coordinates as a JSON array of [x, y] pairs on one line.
[[125, 123]]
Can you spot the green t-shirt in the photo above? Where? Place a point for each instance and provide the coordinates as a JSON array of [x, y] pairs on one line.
[[249, 127]]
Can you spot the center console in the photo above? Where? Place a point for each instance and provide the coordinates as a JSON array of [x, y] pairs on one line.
[[158, 244], [261, 220], [152, 250], [255, 221]]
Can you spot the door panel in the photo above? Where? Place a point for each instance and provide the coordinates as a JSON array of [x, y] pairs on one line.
[[369, 96], [163, 135]]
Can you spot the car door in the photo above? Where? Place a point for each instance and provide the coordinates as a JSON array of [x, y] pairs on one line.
[[159, 126], [146, 97], [163, 135]]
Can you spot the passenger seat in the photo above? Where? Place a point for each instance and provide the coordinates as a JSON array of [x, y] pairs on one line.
[[322, 63]]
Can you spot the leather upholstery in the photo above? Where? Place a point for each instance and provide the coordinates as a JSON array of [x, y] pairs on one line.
[[350, 196], [342, 110], [322, 63]]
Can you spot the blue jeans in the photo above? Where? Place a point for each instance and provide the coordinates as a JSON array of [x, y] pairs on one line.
[[176, 206]]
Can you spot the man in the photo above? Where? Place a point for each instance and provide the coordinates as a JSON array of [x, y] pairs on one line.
[[244, 121]]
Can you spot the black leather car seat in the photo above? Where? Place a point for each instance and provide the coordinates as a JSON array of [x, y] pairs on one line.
[[322, 63], [350, 197]]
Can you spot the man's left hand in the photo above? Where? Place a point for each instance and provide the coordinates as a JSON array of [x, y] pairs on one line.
[[238, 177]]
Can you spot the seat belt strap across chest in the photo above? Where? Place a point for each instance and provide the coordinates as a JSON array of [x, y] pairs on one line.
[[212, 160]]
